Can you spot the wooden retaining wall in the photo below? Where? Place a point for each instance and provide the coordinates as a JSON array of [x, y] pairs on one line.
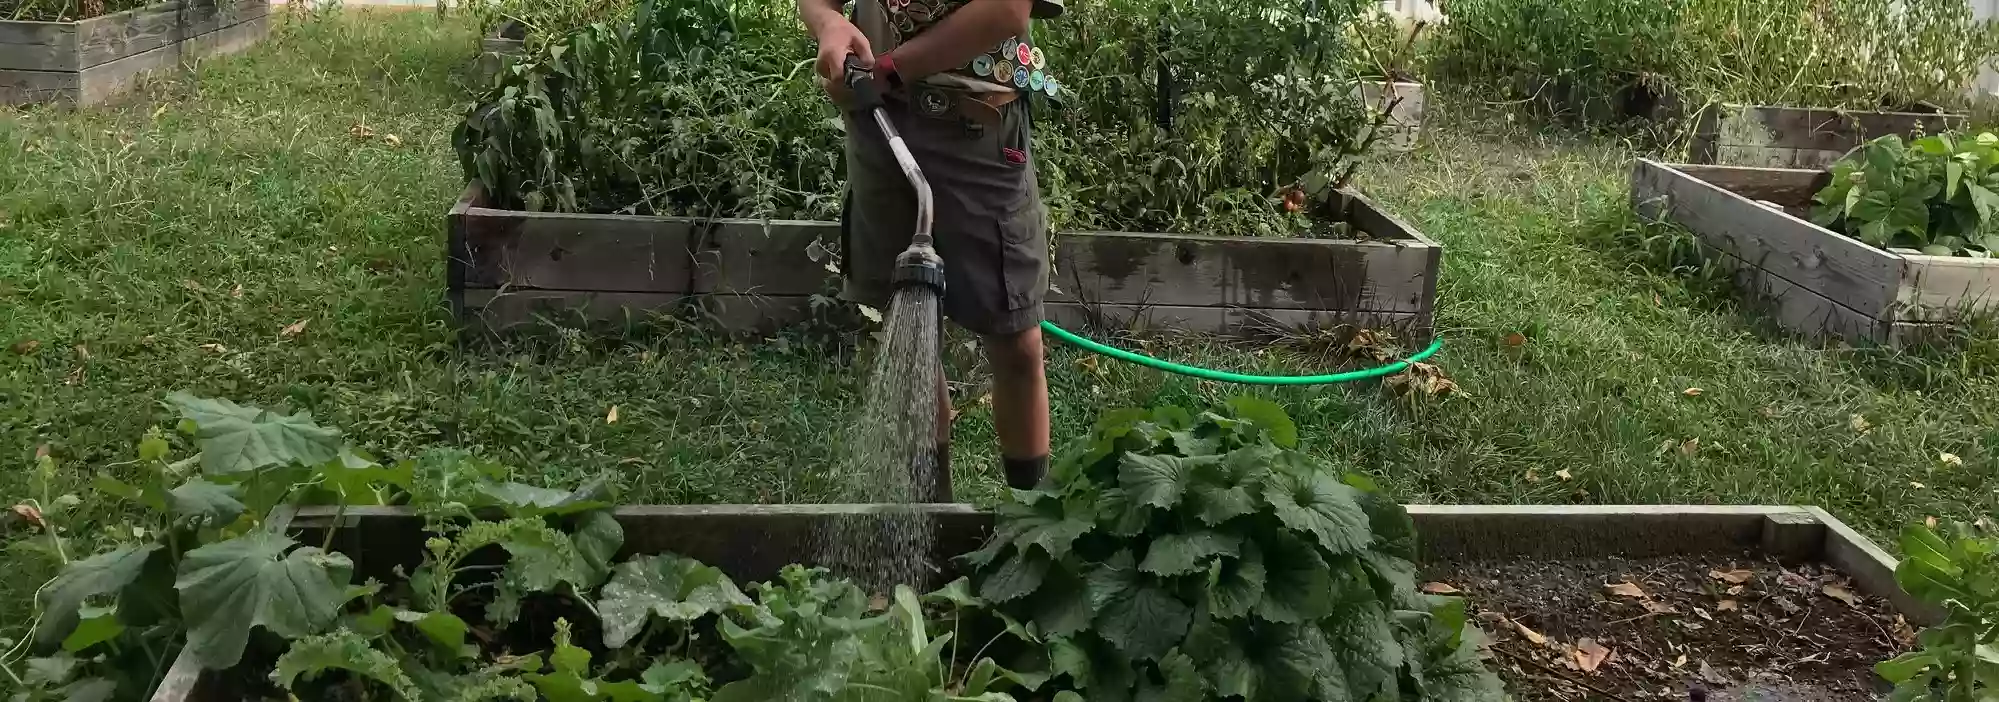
[[88, 61], [1813, 280], [1789, 137], [510, 268]]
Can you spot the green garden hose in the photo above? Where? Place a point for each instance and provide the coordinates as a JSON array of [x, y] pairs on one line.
[[1228, 377]]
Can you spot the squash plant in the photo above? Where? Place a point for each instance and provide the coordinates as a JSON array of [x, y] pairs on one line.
[[1954, 567], [1187, 557], [1938, 194]]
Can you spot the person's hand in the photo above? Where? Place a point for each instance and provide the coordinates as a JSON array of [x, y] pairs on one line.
[[837, 41]]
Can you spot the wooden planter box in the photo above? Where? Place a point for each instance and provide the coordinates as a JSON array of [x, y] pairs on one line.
[[507, 268], [1790, 137], [751, 542], [88, 61], [1815, 281], [1404, 127], [496, 49]]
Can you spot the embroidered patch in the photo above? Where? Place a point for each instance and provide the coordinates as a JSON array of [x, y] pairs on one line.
[[1015, 155]]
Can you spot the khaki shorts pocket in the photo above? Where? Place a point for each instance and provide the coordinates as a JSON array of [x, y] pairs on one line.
[[1023, 239]]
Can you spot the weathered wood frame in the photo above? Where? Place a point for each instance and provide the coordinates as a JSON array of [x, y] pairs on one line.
[[1815, 281], [1796, 137], [496, 49], [751, 542], [507, 268], [88, 61]]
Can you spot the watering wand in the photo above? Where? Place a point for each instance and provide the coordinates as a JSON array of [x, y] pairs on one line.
[[919, 264]]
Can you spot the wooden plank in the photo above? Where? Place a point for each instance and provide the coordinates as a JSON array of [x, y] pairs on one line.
[[558, 251], [51, 50], [1211, 271], [102, 40], [1871, 568], [30, 87], [1790, 187], [227, 40], [21, 32], [207, 16], [1586, 531], [103, 81], [1853, 274], [1796, 308], [1231, 321], [518, 310], [1947, 288], [1804, 137], [745, 257]]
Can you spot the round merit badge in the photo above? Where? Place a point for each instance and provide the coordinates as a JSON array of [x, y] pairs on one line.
[[1003, 72], [1036, 82], [1024, 54], [983, 65], [1020, 77], [1038, 59]]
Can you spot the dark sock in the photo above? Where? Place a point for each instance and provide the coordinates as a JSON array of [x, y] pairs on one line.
[[934, 468], [1025, 473]]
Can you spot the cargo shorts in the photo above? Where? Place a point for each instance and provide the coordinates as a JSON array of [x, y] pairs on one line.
[[990, 226]]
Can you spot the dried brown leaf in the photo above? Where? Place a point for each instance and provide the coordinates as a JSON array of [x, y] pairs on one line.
[[30, 513], [1727, 606], [392, 140], [1692, 392], [1690, 447], [1565, 474], [1589, 654], [1859, 423], [237, 292], [1681, 661], [1839, 592], [1531, 635], [1732, 577], [1516, 339], [215, 348], [82, 352], [1625, 589], [26, 346], [360, 131], [1950, 460], [1735, 590], [294, 329], [1657, 607], [1904, 634], [612, 416], [1533, 476], [1440, 588]]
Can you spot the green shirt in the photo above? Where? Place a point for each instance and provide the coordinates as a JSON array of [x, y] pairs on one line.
[[1015, 64]]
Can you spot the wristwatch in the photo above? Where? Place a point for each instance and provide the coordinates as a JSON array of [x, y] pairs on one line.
[[885, 70]]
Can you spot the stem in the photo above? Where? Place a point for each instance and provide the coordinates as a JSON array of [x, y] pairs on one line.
[[11, 676]]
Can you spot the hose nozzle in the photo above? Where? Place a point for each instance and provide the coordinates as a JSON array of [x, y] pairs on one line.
[[919, 265]]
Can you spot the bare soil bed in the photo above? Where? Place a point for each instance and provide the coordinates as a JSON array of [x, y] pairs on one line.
[[1699, 629]]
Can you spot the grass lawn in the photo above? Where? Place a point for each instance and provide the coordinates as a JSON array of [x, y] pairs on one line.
[[223, 232]]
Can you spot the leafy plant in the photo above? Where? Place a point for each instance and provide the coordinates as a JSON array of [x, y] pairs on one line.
[[1183, 556], [1936, 194], [1953, 568]]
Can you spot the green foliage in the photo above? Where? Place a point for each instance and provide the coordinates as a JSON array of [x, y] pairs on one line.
[[1936, 194], [1952, 567], [1858, 54], [311, 656], [666, 586], [237, 439], [259, 579], [1183, 556]]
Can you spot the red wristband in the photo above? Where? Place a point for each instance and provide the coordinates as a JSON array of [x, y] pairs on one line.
[[885, 70]]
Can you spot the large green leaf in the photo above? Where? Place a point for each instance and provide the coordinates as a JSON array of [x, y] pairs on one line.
[[199, 499], [1298, 586], [81, 580], [667, 586], [1143, 620], [1269, 416], [1061, 606], [236, 439], [522, 500], [1180, 554], [1159, 481], [96, 625], [341, 650], [1183, 681], [257, 579], [1983, 200], [598, 537], [1054, 526], [1238, 584], [1318, 504], [1016, 577]]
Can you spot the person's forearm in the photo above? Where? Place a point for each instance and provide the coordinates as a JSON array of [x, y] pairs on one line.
[[969, 31], [818, 13]]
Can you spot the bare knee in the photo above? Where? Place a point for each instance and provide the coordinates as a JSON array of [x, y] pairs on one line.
[[1015, 354]]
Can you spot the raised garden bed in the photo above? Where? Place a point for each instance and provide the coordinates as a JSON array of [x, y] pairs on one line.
[[750, 542], [508, 268], [1815, 281], [88, 61], [1790, 137]]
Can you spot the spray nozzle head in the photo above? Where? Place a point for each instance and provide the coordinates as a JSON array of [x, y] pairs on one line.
[[920, 265]]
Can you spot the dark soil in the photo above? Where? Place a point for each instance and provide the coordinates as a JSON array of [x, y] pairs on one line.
[[1686, 633]]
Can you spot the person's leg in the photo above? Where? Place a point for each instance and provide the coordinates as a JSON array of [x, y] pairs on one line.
[[1020, 405]]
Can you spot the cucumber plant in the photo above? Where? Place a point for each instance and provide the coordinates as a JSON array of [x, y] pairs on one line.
[[1938, 194]]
